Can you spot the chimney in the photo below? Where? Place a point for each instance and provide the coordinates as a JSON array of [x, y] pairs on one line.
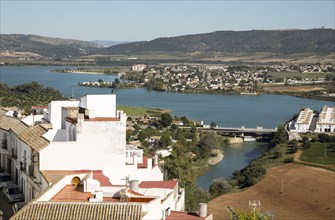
[[134, 185], [149, 163], [203, 210]]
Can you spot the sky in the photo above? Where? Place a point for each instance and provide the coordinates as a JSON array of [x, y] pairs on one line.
[[146, 20]]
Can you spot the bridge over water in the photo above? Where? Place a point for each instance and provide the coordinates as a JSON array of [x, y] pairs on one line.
[[242, 131]]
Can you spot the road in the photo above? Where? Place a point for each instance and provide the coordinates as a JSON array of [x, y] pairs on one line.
[[5, 207]]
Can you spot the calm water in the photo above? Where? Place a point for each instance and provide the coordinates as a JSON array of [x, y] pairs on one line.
[[236, 157], [225, 110]]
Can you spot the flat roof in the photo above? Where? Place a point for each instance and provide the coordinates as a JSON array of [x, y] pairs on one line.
[[72, 193]]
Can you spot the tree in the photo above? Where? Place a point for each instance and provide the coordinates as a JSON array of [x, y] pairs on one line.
[[212, 125], [117, 81], [184, 120], [142, 135], [279, 137], [219, 186], [212, 141], [166, 119], [165, 140]]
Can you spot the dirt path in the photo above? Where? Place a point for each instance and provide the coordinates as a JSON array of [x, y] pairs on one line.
[[308, 193]]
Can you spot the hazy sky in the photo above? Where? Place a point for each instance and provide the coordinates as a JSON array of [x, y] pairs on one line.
[[147, 20]]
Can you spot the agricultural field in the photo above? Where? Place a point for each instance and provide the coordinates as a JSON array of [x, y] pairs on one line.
[[292, 75], [289, 191], [319, 153], [293, 89]]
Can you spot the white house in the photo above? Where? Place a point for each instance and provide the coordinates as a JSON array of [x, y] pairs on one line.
[[326, 120], [303, 122], [74, 135], [138, 67]]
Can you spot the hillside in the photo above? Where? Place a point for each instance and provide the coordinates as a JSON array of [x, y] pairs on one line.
[[274, 41], [46, 46]]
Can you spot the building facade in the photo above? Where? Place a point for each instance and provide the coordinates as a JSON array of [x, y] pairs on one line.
[[85, 138], [326, 120]]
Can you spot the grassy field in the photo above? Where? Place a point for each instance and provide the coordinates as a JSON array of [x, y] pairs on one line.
[[316, 154], [297, 74], [140, 111], [288, 191]]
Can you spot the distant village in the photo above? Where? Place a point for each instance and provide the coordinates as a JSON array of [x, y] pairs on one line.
[[217, 79]]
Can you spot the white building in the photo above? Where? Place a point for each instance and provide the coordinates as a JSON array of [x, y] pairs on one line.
[[326, 120], [77, 137], [138, 67], [90, 195], [303, 122]]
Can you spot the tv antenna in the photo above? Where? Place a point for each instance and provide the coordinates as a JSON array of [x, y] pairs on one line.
[[254, 204], [72, 91]]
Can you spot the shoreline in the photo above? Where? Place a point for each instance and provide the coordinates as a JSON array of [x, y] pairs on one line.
[[214, 160]]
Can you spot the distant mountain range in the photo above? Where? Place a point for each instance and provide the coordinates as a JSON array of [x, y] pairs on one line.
[[274, 41], [47, 46], [108, 43]]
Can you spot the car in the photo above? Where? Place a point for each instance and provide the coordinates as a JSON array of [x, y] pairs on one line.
[[5, 179], [17, 206], [12, 193]]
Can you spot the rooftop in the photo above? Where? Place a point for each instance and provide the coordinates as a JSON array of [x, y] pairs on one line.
[[79, 210], [169, 184], [14, 124], [75, 120], [72, 193], [33, 137], [184, 216], [144, 164], [54, 175]]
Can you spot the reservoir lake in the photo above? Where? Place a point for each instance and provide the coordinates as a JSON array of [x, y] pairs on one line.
[[267, 111]]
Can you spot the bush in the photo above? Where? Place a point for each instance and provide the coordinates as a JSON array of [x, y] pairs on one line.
[[251, 215], [219, 186], [289, 160]]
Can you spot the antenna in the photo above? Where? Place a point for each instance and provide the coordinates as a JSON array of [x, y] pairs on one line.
[[72, 91], [254, 204]]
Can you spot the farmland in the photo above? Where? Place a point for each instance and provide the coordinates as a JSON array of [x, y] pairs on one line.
[[308, 193]]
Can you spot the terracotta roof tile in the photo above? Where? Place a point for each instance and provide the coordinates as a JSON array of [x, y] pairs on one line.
[[144, 164], [184, 216], [79, 211], [53, 175], [9, 123], [169, 184], [33, 137]]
